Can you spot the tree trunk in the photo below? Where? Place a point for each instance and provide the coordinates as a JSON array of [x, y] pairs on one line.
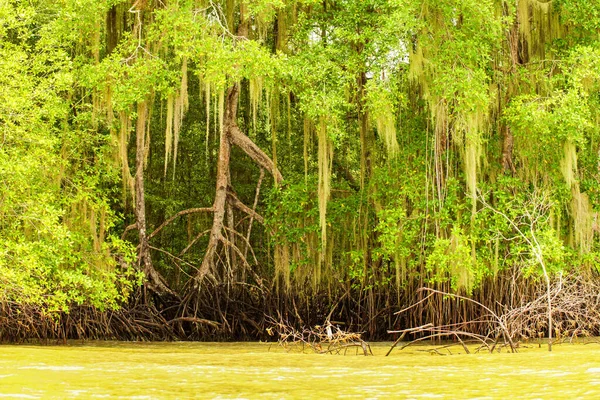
[[363, 126], [231, 134], [221, 189]]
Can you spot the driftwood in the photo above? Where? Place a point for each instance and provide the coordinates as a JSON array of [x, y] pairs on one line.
[[322, 339]]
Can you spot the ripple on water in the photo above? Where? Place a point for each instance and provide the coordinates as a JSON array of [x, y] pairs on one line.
[[54, 367], [226, 371], [77, 392]]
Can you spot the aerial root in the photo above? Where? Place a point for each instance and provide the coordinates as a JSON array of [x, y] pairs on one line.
[[575, 310]]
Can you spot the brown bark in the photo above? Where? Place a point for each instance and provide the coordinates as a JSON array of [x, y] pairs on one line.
[[140, 205], [112, 30], [220, 192], [254, 152], [232, 238], [231, 134]]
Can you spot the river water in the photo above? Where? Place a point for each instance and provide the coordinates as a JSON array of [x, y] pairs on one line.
[[265, 371]]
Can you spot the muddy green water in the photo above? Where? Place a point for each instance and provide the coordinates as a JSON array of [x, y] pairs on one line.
[[263, 371]]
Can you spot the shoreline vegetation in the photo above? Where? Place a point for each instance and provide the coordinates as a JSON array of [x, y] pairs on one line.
[[300, 170]]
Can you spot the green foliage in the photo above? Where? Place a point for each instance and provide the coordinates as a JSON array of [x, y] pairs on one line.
[[55, 209], [390, 120], [583, 16], [451, 259]]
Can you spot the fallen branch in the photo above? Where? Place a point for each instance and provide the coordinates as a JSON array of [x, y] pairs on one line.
[[322, 339]]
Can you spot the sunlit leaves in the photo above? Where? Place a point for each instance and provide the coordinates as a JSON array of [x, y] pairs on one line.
[[54, 253]]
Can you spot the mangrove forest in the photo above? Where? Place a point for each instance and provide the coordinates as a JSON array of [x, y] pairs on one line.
[[297, 169]]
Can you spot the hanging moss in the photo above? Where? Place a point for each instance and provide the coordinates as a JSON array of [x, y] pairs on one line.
[[255, 92], [221, 110], [282, 264], [538, 26], [472, 145], [325, 158], [273, 104], [583, 218], [207, 100], [169, 131], [148, 137], [568, 164], [127, 178], [307, 130], [382, 111]]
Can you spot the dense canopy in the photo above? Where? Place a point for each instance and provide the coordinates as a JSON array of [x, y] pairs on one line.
[[221, 162]]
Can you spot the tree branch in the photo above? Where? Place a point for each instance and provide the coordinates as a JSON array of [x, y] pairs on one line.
[[179, 214], [256, 195], [237, 203], [129, 228], [254, 152]]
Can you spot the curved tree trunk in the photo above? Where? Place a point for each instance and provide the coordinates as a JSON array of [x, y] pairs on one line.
[[231, 134], [220, 192]]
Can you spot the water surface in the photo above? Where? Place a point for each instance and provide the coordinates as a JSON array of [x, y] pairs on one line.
[[265, 371]]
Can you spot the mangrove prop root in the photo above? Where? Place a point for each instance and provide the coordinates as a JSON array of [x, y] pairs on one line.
[[576, 313]]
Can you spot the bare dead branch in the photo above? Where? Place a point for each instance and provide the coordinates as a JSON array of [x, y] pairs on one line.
[[322, 339]]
